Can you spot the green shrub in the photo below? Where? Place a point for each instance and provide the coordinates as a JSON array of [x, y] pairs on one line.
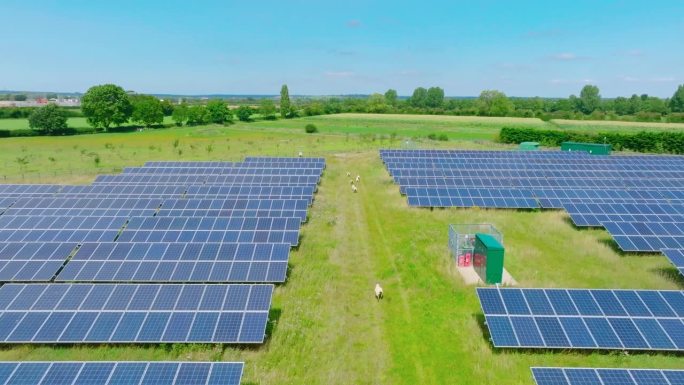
[[311, 128], [443, 137]]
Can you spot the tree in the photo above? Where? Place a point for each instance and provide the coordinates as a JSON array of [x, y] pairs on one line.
[[376, 103], [677, 101], [493, 103], [20, 97], [284, 102], [147, 110], [434, 97], [391, 97], [51, 96], [180, 114], [419, 97], [589, 99], [197, 115], [167, 107], [218, 112], [267, 109], [50, 119], [106, 105], [244, 113]]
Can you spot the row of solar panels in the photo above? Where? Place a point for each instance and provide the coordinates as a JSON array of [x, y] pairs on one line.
[[143, 262], [120, 373], [584, 319], [607, 376], [274, 171]]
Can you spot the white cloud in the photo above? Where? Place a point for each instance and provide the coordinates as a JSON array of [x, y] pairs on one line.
[[567, 56], [571, 81]]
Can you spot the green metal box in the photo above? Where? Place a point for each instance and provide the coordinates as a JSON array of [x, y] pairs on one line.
[[592, 148], [529, 146], [488, 258]]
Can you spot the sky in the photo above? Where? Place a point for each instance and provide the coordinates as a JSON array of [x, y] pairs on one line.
[[320, 47]]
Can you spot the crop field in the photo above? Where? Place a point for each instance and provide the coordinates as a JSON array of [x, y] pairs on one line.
[[606, 125], [325, 325]]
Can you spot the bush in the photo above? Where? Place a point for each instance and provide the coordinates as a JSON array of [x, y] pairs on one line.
[[443, 137], [653, 141], [311, 128]]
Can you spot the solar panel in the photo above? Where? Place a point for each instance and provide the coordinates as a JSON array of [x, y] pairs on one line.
[[25, 262], [248, 208], [177, 262], [676, 256], [129, 313], [120, 372], [606, 376], [584, 319]]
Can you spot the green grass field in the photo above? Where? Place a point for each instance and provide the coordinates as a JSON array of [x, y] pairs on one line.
[[326, 327], [607, 126]]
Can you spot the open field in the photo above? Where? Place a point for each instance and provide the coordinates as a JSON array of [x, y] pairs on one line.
[[326, 326], [606, 125], [22, 124]]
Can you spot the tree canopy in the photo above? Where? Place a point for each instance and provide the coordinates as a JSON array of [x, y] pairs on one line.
[[284, 102], [589, 99], [106, 105], [391, 97], [677, 101], [147, 110], [244, 113], [50, 120], [267, 109], [218, 112], [493, 103], [419, 97]]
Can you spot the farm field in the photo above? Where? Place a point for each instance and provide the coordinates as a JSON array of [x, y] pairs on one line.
[[326, 327], [605, 125]]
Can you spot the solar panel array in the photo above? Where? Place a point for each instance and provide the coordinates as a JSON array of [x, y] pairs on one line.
[[638, 199], [168, 252], [120, 372], [584, 318], [606, 376]]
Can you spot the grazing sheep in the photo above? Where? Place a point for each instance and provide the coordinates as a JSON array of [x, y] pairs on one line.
[[378, 292], [354, 189], [301, 154], [358, 178], [348, 174], [351, 181]]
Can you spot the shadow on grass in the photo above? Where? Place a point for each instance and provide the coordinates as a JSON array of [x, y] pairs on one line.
[[613, 246], [671, 274], [273, 318]]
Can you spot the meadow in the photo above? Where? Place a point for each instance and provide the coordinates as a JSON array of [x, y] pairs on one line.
[[326, 327]]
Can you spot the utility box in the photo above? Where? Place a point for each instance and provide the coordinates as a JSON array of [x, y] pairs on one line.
[[529, 146], [462, 240], [591, 148], [488, 258]]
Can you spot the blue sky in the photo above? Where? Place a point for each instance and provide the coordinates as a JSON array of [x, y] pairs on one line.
[[524, 48]]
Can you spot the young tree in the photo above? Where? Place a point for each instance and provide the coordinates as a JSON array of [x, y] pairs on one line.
[[180, 114], [197, 115], [589, 99], [493, 103], [218, 112], [434, 97], [167, 107], [677, 101], [267, 109], [419, 97], [50, 120], [391, 97], [147, 110], [106, 105], [244, 113], [284, 101], [376, 103]]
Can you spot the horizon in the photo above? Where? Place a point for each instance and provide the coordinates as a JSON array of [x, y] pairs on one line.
[[524, 49]]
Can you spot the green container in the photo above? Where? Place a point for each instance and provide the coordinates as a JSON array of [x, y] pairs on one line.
[[488, 258], [528, 146], [592, 148]]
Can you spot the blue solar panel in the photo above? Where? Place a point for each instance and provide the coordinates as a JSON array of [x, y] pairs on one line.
[[121, 372], [584, 319], [602, 376], [676, 256], [98, 313]]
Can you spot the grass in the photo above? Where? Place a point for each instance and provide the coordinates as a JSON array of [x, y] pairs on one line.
[[605, 125], [22, 124], [326, 327]]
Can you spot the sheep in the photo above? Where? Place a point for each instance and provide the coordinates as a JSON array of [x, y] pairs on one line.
[[358, 178], [348, 174], [378, 292], [351, 181], [354, 189]]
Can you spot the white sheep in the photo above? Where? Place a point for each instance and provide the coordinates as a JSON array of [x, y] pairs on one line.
[[354, 189], [348, 174], [378, 292], [358, 178]]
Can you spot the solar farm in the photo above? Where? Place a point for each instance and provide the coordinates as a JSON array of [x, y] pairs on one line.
[[260, 270], [171, 252]]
